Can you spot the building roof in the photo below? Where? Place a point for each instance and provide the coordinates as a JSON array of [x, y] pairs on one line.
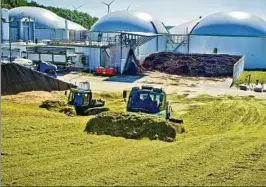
[[129, 21], [44, 18], [231, 24]]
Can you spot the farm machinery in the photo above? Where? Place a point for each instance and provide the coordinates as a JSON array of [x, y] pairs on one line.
[[150, 100], [247, 85], [47, 68], [81, 98]]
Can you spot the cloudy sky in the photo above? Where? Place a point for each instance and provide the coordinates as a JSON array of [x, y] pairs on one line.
[[171, 12]]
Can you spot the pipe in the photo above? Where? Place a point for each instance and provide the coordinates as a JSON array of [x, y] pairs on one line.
[[33, 30], [28, 28], [121, 51], [10, 52]]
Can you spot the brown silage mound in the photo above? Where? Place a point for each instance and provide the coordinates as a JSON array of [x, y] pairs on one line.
[[205, 65]]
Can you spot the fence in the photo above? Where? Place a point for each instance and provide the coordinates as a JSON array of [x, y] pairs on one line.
[[238, 69]]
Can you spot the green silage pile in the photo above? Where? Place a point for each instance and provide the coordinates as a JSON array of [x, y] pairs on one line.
[[58, 106], [133, 126]]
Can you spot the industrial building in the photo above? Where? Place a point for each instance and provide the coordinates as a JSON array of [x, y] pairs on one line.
[[110, 39], [34, 23], [234, 33], [137, 24], [4, 25]]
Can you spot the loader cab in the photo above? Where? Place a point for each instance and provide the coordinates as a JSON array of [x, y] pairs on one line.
[[47, 68], [79, 97], [146, 99]]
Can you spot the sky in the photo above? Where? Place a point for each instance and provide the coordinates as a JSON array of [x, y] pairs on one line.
[[171, 12]]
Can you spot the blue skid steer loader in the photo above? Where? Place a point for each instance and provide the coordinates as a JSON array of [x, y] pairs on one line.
[[150, 100], [81, 98]]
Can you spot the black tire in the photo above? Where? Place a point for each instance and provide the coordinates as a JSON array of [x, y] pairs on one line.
[[95, 111], [180, 121]]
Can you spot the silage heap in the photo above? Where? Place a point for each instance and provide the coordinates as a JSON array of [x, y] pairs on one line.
[[58, 106], [203, 65], [133, 126]]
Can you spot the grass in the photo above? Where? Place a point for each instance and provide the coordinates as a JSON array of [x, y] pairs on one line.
[[255, 75], [224, 145], [86, 74]]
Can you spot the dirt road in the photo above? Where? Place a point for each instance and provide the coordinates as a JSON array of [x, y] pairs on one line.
[[171, 83]]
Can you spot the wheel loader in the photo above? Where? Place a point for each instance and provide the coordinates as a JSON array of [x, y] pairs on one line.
[[81, 98], [150, 100]]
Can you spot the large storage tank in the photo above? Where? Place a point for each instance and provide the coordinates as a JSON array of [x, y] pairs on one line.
[[134, 21], [38, 23], [235, 33], [4, 26]]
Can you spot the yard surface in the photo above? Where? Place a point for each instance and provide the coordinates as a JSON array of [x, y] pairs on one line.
[[171, 83], [224, 144]]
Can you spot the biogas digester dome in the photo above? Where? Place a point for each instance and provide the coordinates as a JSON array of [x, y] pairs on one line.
[[129, 21], [231, 24], [235, 33], [46, 24], [134, 21]]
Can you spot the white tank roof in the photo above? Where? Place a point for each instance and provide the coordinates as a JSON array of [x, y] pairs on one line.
[[129, 21], [231, 24], [184, 28], [44, 17]]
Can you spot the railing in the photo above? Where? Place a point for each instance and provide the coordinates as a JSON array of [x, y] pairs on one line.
[[177, 39], [89, 41], [78, 43]]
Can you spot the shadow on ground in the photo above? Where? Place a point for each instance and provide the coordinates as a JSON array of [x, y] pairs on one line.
[[124, 78]]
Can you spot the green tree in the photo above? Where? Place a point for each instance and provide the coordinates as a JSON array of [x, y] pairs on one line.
[[79, 17]]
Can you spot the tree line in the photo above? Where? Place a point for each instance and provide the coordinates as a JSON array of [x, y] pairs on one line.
[[79, 17]]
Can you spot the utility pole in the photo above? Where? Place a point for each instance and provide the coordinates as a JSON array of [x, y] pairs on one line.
[[108, 5], [9, 40], [29, 21]]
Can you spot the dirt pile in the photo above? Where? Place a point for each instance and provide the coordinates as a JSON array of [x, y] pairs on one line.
[[205, 65], [133, 126], [58, 106], [32, 97]]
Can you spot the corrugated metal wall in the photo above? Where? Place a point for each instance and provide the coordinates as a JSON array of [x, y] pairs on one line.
[[254, 48]]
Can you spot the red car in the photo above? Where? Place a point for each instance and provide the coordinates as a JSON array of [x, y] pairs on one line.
[[105, 71]]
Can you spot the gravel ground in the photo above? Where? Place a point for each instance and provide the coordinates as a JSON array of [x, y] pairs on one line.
[[171, 83]]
